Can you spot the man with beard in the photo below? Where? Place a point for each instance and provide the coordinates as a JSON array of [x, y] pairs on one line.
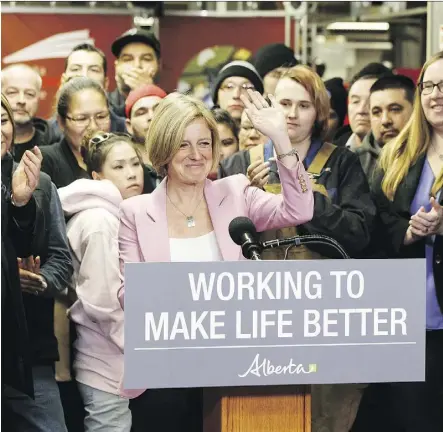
[[390, 107], [22, 85]]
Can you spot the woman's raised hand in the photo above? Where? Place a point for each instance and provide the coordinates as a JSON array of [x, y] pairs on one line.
[[270, 120]]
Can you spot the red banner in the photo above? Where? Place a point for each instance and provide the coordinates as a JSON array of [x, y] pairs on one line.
[[44, 40]]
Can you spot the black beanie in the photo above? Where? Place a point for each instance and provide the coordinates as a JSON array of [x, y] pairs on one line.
[[238, 68], [338, 97], [273, 56]]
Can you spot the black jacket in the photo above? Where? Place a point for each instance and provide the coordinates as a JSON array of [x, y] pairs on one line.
[[55, 267], [151, 179], [346, 215], [44, 130], [117, 101], [61, 165], [20, 229], [117, 125], [342, 135], [394, 219]]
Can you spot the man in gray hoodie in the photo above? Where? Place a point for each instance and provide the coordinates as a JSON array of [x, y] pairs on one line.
[[391, 101]]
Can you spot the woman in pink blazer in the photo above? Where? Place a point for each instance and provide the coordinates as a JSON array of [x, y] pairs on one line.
[[187, 217]]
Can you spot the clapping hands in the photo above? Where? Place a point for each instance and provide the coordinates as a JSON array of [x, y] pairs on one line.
[[429, 223], [30, 279], [26, 176]]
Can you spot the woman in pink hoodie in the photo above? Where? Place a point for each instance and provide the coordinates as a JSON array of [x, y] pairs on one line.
[[93, 205]]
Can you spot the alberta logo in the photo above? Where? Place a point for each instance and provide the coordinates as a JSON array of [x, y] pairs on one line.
[[264, 367]]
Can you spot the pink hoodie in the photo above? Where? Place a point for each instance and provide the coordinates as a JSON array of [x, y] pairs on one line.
[[93, 238]]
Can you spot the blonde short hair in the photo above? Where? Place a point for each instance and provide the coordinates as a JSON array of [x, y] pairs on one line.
[[314, 85], [165, 136]]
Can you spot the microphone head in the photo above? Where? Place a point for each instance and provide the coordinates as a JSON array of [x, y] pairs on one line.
[[239, 226]]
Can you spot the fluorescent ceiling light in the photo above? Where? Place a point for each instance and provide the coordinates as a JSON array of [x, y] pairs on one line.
[[358, 26]]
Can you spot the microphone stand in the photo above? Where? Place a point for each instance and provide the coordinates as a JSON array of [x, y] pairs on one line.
[[252, 250], [307, 239], [255, 256]]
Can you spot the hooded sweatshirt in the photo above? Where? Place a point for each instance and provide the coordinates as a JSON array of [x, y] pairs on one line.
[[92, 230]]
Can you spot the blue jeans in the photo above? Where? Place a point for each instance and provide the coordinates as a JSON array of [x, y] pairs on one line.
[[105, 412], [44, 413]]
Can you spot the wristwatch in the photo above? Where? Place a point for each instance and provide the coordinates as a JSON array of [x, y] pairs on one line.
[[293, 152]]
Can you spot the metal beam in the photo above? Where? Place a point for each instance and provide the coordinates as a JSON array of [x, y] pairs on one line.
[[391, 16], [288, 24], [68, 10], [304, 39], [229, 14]]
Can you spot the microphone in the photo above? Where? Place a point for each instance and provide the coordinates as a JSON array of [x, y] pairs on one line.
[[242, 231]]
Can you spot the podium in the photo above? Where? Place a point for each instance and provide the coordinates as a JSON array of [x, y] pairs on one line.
[[261, 336], [257, 409]]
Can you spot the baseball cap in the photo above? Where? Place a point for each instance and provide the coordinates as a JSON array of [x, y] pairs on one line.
[[135, 35]]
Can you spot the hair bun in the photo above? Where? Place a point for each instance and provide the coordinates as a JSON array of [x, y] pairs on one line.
[[86, 140]]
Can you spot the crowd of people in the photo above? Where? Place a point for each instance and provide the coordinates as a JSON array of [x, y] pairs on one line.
[[140, 175]]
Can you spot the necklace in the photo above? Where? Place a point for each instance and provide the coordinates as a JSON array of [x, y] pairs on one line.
[[440, 155], [189, 219]]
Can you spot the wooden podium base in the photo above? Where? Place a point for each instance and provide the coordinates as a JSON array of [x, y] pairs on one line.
[[257, 409]]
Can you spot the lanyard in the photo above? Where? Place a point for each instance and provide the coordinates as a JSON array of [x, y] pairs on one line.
[[312, 152]]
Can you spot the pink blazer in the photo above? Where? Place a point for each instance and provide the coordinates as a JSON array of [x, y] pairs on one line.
[[143, 232]]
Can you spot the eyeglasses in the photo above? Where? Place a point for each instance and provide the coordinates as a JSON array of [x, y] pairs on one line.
[[103, 137], [231, 87], [83, 121], [428, 87]]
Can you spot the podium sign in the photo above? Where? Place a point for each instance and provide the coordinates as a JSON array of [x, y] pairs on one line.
[[255, 323]]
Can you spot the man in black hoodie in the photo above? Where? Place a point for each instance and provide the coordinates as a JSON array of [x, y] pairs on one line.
[[22, 86]]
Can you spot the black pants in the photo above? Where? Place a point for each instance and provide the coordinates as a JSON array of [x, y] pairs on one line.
[[72, 406], [167, 410], [407, 407], [72, 402]]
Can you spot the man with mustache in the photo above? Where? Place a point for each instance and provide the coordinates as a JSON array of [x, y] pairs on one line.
[[390, 107], [22, 86]]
